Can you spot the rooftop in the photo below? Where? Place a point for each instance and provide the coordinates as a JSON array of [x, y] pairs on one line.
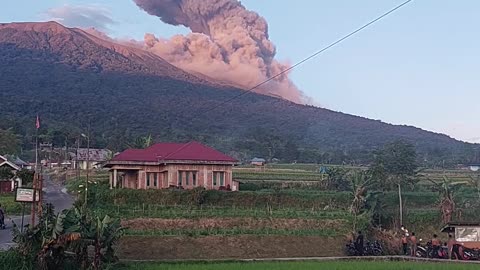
[[95, 154], [168, 152]]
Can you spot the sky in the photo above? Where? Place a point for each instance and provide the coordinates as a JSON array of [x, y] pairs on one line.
[[419, 66]]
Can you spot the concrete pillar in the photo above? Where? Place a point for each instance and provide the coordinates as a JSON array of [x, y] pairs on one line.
[[115, 178], [110, 176], [205, 177]]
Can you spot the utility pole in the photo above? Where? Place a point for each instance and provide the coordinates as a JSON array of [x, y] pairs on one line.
[[35, 175], [88, 164]]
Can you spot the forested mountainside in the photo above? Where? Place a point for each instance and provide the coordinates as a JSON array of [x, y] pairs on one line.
[[73, 80]]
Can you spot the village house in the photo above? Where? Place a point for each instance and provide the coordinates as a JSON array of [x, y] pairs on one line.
[[172, 165], [8, 185], [258, 162]]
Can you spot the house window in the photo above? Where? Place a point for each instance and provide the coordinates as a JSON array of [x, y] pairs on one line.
[[187, 177], [148, 179], [155, 179], [219, 178]]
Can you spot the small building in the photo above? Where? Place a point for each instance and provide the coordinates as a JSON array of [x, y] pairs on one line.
[[258, 162], [94, 158], [8, 185], [474, 167], [465, 233], [172, 165], [18, 161]]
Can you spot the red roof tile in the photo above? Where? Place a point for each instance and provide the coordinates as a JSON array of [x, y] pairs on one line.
[[164, 152]]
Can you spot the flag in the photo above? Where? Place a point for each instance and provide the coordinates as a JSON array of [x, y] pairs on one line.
[[37, 123]]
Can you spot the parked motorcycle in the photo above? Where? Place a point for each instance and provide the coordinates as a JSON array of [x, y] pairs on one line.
[[369, 249], [469, 254]]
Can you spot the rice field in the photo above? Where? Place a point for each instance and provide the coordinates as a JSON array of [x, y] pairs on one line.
[[353, 265]]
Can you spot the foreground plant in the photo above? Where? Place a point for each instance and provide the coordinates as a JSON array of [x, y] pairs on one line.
[[66, 236]]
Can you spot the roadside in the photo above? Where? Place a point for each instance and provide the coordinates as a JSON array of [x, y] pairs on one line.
[[54, 193]]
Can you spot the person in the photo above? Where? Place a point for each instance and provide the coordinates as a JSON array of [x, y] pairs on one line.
[[404, 244], [359, 243], [413, 245], [453, 248], [450, 244], [435, 246], [2, 218]]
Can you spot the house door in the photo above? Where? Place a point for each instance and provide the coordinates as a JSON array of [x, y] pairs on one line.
[[5, 186]]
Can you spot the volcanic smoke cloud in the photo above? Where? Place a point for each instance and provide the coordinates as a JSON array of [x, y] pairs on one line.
[[228, 43]]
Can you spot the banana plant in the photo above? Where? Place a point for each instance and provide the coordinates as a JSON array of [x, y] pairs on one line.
[[446, 189]]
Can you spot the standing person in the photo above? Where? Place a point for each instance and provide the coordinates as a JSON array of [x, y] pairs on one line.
[[413, 245], [453, 248], [359, 243], [435, 246], [404, 240], [2, 217], [450, 244]]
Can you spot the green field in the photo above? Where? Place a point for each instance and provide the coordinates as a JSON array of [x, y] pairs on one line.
[[301, 266]]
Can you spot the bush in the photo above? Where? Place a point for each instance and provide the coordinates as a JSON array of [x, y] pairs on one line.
[[12, 260]]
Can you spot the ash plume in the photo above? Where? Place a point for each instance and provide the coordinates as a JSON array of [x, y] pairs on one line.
[[227, 43]]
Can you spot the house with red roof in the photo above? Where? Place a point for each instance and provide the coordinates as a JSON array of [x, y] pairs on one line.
[[172, 165]]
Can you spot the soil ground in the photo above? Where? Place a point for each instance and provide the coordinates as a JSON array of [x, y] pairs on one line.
[[227, 247]]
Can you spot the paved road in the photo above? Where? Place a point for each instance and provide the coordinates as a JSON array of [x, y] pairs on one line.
[[54, 193]]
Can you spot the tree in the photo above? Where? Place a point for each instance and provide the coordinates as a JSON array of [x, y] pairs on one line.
[[446, 189], [475, 182], [141, 142], [6, 173], [26, 176], [9, 142], [363, 197], [396, 162], [290, 151]]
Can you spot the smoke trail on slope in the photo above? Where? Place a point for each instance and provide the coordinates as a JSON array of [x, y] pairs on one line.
[[227, 43]]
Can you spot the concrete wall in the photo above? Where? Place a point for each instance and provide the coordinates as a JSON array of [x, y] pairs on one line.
[[168, 175]]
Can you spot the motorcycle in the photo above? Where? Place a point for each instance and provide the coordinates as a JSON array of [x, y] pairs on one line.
[[373, 249], [441, 252], [422, 250], [369, 249], [469, 253]]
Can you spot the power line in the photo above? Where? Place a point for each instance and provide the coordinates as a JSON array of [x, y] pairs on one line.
[[305, 59]]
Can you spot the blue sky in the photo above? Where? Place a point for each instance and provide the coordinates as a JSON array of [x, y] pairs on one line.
[[420, 66]]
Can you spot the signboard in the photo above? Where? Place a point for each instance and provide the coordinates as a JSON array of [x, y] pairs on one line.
[[26, 195]]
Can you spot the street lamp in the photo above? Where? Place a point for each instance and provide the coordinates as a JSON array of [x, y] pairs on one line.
[[88, 166]]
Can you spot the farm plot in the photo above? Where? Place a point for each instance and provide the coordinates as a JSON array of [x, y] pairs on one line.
[[354, 265]]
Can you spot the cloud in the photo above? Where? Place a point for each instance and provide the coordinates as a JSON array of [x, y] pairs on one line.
[[82, 16]]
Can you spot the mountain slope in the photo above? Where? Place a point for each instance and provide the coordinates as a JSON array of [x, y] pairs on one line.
[[72, 78]]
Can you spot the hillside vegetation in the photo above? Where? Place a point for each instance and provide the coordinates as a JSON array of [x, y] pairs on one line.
[[74, 80]]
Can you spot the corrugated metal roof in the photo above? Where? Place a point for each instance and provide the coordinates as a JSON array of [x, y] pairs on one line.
[[95, 154], [163, 152]]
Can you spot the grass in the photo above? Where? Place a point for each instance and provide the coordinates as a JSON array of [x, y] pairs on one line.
[[10, 205], [299, 265], [239, 231], [159, 211]]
